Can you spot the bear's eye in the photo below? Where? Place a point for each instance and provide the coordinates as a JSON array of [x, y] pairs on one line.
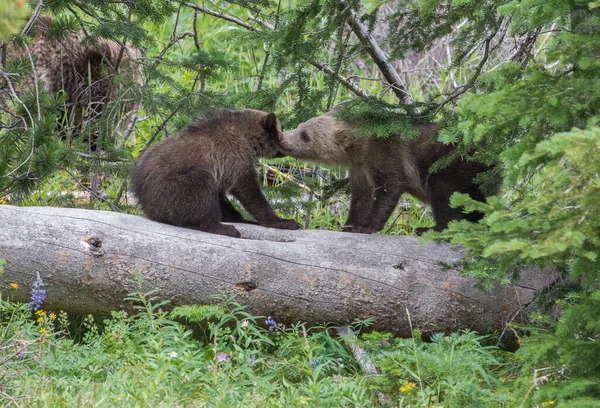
[[304, 136]]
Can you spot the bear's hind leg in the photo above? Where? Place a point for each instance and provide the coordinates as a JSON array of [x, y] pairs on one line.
[[196, 202], [441, 186]]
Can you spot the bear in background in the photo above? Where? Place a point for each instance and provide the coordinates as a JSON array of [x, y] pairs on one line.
[[381, 170], [85, 72], [184, 180]]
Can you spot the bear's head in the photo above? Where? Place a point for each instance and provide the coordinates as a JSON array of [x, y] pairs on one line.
[[272, 131], [322, 139]]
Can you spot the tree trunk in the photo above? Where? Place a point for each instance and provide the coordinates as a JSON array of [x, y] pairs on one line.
[[89, 259]]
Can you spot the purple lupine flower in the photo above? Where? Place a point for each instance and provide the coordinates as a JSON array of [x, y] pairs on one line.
[[222, 357], [384, 343], [313, 364], [38, 294], [251, 361], [271, 323]]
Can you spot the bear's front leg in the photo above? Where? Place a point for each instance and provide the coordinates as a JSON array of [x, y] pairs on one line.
[[229, 213], [248, 192], [385, 197], [362, 199]]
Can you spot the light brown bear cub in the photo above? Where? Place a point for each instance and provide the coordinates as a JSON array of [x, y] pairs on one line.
[[381, 170], [184, 180]]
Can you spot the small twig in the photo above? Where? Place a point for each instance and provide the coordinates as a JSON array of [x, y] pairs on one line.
[[96, 157], [344, 81], [174, 40], [223, 16], [34, 17], [267, 51], [257, 20], [89, 190], [200, 74], [16, 97], [35, 79]]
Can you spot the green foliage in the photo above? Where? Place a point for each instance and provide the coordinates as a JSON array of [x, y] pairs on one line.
[[559, 225], [453, 371], [541, 120], [147, 359], [562, 355], [374, 117]]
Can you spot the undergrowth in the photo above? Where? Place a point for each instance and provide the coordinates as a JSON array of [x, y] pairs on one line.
[[221, 356]]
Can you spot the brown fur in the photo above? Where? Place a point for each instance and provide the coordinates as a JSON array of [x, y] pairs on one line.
[[183, 180], [381, 170], [83, 72]]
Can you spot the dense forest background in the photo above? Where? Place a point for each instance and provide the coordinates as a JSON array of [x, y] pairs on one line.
[[515, 82]]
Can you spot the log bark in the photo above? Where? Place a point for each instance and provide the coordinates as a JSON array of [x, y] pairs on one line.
[[89, 259]]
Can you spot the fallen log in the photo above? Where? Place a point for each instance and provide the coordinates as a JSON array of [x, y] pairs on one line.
[[89, 260]]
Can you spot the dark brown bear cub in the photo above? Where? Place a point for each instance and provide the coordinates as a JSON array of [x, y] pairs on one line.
[[381, 170], [183, 181]]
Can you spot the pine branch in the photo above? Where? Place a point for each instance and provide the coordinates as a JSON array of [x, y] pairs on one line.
[[379, 57], [352, 87], [257, 20], [223, 16], [34, 17], [344, 81], [469, 84], [174, 40]]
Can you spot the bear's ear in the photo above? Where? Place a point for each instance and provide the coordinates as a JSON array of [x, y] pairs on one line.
[[269, 123]]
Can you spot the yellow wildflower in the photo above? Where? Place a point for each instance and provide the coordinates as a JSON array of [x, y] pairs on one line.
[[40, 319], [548, 403], [407, 387], [52, 316], [3, 201], [41, 313], [14, 285], [42, 330]]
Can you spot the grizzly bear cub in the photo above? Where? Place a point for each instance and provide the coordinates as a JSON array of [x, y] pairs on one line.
[[183, 181], [381, 170]]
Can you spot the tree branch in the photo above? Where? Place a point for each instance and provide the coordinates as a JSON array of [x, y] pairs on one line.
[[355, 89], [344, 81], [465, 87], [223, 16], [378, 56]]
